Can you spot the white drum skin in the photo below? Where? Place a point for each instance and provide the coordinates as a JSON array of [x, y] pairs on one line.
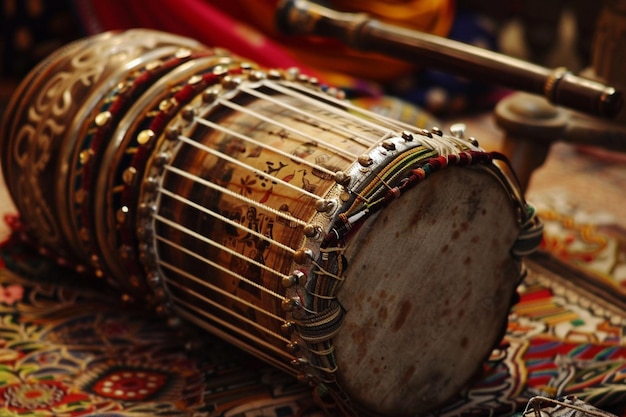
[[420, 307]]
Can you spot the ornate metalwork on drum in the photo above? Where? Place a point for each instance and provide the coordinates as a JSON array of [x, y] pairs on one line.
[[40, 128], [263, 207]]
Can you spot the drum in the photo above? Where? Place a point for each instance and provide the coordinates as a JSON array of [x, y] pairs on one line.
[[373, 260]]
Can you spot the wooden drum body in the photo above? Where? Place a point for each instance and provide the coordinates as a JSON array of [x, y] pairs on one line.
[[375, 261]]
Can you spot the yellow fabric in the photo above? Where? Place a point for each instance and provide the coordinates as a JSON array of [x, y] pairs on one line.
[[331, 57], [432, 16]]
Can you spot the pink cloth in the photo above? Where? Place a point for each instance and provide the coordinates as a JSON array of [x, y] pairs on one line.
[[197, 19]]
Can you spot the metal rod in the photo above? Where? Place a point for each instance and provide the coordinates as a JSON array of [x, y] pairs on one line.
[[359, 31]]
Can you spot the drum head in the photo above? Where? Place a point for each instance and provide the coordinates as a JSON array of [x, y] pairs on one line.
[[428, 288]]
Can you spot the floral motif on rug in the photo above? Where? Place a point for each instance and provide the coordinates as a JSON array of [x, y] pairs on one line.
[[70, 347], [70, 351]]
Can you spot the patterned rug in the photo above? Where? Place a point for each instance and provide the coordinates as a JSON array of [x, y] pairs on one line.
[[68, 348]]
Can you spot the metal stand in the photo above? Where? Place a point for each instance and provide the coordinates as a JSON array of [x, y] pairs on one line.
[[531, 124]]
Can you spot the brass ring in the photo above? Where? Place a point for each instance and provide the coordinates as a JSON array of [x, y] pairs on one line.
[[549, 88]]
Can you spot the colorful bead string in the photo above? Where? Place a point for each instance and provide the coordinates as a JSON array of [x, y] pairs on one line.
[[153, 127]]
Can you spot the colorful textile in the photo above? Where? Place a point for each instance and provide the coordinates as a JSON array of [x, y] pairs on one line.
[[246, 27], [69, 349], [31, 29]]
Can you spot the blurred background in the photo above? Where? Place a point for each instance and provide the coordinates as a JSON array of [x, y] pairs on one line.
[[552, 33]]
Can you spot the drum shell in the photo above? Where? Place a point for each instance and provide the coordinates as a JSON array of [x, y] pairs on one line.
[[256, 271], [240, 234], [400, 283], [43, 126]]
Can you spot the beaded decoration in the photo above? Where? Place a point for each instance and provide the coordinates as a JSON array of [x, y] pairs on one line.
[[229, 196]]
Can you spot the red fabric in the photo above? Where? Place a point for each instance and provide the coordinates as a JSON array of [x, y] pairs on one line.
[[196, 19], [246, 28]]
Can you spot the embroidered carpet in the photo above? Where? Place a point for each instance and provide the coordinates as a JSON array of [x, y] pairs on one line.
[[71, 348]]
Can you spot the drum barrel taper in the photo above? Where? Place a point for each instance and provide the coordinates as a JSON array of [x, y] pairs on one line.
[[359, 31]]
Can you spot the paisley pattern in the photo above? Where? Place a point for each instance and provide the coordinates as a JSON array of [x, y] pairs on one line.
[[66, 350]]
